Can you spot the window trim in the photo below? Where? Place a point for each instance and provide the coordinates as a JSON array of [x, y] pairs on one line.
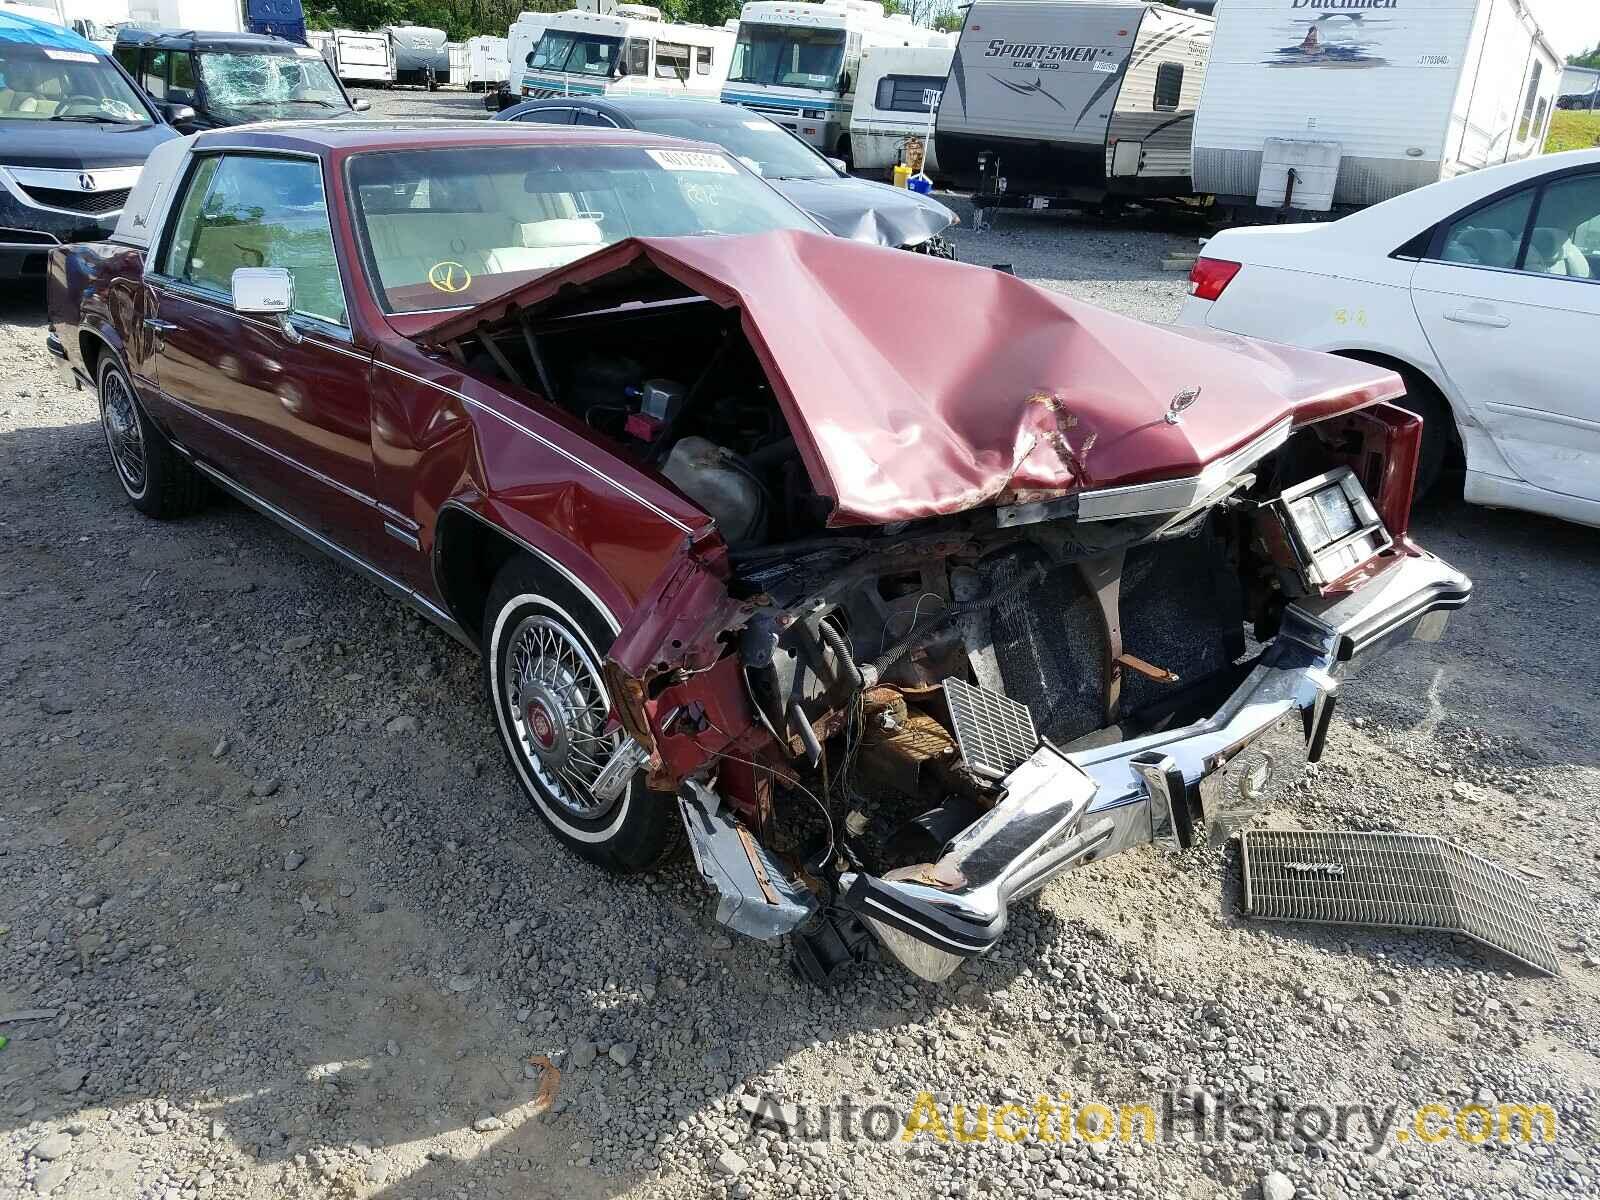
[[193, 291], [532, 115]]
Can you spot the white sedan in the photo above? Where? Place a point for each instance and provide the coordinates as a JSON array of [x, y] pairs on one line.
[[1482, 291]]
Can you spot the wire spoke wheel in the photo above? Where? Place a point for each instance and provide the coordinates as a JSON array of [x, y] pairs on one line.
[[559, 711], [124, 436]]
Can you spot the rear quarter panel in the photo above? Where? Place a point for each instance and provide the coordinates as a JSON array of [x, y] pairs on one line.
[[1311, 291], [94, 294]]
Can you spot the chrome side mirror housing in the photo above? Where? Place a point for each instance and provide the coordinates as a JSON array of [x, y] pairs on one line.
[[267, 291], [362, 105], [839, 165]]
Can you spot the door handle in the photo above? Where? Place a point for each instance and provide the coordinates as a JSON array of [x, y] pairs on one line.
[[1465, 316], [158, 326]]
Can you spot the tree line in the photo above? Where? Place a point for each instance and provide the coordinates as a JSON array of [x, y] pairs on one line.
[[461, 19]]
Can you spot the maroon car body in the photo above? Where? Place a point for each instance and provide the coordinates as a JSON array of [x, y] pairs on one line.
[[909, 429]]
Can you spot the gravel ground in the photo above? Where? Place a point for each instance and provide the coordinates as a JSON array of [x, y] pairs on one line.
[[275, 922]]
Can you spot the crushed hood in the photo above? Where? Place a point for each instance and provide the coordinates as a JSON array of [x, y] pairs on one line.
[[865, 211], [918, 387]]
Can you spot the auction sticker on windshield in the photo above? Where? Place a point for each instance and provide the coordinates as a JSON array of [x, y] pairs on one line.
[[71, 56], [692, 160]]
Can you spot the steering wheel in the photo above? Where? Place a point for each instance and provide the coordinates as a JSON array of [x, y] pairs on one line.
[[81, 100]]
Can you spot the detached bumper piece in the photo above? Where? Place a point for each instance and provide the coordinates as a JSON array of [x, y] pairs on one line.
[[1393, 881], [754, 893], [1061, 810]]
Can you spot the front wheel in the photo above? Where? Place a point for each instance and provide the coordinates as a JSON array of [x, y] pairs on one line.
[[542, 655]]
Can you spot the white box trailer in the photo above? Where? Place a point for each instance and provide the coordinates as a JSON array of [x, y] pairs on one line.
[[1318, 105], [1073, 102], [362, 56], [897, 93], [486, 67]]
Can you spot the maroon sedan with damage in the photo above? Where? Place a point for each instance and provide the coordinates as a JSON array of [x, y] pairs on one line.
[[897, 587]]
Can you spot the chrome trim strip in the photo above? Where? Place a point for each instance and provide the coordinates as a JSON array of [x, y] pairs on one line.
[[1174, 495], [402, 535], [410, 595], [106, 179], [179, 290], [543, 441], [555, 564], [260, 446]]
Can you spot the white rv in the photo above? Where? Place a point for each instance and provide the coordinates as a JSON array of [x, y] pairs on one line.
[[898, 89], [797, 62], [361, 57], [521, 38], [1075, 102], [486, 63], [629, 52], [1324, 104]]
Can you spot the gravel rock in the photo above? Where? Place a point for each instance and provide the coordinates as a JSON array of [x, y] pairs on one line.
[[1276, 1186], [52, 1147]]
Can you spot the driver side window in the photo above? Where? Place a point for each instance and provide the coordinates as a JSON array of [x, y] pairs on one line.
[[257, 211]]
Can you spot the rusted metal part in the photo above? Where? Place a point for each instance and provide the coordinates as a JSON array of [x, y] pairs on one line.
[[747, 839], [1149, 670], [1103, 578], [902, 757]]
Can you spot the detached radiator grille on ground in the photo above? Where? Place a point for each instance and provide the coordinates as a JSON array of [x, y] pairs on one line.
[[1395, 880]]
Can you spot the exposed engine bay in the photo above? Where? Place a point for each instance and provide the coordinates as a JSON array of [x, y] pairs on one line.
[[903, 727]]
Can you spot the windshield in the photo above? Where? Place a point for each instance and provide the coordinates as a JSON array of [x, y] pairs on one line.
[[270, 85], [452, 227], [579, 53], [762, 145], [40, 83], [788, 56]]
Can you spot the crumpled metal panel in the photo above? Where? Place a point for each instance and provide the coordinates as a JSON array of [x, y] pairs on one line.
[[918, 387], [864, 211]]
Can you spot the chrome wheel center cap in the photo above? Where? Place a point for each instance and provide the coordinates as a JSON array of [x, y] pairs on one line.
[[546, 721]]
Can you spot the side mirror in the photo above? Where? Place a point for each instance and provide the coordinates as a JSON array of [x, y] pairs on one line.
[[839, 165], [362, 105], [268, 291], [177, 113]]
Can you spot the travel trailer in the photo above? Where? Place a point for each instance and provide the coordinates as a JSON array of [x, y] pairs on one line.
[[1320, 105], [486, 63], [797, 62], [360, 57], [1073, 102], [898, 89], [417, 50], [628, 52]]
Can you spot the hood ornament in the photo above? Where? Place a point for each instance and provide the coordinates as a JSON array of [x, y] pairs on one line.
[[1181, 403]]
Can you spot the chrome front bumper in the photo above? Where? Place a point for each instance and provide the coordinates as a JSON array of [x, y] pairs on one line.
[[1064, 810]]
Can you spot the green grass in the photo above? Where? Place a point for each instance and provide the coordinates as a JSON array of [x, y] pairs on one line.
[[1573, 131]]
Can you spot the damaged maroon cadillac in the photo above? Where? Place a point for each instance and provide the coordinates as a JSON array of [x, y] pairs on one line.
[[896, 587]]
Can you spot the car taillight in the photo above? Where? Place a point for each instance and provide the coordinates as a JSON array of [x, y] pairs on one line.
[[1210, 276]]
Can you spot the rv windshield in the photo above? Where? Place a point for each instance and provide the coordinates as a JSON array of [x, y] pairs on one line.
[[46, 84], [578, 53], [281, 84], [787, 56]]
